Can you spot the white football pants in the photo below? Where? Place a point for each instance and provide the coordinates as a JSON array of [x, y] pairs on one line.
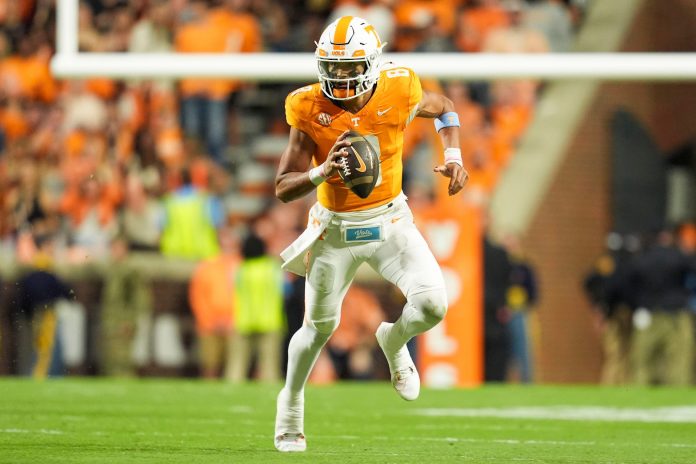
[[403, 258]]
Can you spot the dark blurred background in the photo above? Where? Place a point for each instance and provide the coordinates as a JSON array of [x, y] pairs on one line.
[[586, 193]]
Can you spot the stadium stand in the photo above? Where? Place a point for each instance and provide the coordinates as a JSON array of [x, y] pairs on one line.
[[91, 161]]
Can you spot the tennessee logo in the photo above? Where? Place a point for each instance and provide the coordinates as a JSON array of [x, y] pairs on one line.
[[361, 163], [324, 119]]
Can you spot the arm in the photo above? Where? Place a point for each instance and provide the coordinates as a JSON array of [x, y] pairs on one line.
[[434, 105], [293, 179]]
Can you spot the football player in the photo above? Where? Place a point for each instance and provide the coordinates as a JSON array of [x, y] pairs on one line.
[[355, 92]]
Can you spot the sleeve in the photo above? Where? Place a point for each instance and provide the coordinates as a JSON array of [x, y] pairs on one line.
[[296, 108], [290, 113], [415, 95]]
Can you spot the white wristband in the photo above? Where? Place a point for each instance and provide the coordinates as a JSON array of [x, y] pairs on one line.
[[316, 175], [453, 155]]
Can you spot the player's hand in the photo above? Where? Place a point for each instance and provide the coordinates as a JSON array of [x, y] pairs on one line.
[[457, 174], [338, 151]]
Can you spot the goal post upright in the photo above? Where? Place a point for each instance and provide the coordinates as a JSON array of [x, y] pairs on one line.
[[67, 13]]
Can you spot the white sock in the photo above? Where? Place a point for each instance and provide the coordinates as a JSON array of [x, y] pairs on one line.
[[303, 352], [412, 322], [289, 412]]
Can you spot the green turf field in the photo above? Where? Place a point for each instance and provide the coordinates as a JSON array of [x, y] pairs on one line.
[[174, 421]]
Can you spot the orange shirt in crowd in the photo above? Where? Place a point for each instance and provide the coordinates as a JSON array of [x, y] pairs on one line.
[[13, 122], [473, 143], [211, 294], [220, 31], [471, 116], [476, 23], [483, 175], [103, 87], [510, 121], [361, 314], [169, 142], [27, 77], [132, 114], [415, 14], [502, 148], [75, 205]]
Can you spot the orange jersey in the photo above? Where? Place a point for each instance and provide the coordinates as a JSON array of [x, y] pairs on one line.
[[382, 120]]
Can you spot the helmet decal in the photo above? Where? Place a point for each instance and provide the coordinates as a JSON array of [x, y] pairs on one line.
[[341, 37]]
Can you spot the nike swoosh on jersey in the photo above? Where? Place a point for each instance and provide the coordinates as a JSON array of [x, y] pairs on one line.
[[383, 112]]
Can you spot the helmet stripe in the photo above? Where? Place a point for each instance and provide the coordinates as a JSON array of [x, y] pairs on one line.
[[341, 34]]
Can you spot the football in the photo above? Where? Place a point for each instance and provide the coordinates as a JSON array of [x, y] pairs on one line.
[[360, 169]]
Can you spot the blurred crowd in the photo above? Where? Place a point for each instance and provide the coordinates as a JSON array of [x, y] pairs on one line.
[[100, 168], [643, 290], [91, 160]]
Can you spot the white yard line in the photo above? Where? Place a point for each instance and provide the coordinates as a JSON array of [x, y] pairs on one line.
[[501, 441], [38, 431], [241, 409], [674, 414], [679, 445], [478, 426]]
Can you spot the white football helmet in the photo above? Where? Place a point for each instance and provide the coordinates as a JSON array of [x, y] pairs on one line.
[[348, 57]]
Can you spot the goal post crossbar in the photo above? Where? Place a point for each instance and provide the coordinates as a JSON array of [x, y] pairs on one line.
[[295, 67]]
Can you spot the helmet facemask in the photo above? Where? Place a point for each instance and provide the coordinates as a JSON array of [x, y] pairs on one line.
[[345, 79]]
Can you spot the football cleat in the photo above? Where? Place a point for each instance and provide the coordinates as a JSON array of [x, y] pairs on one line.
[[404, 375], [290, 443]]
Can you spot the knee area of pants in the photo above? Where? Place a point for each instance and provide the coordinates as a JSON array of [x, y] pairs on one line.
[[326, 327], [432, 303]]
